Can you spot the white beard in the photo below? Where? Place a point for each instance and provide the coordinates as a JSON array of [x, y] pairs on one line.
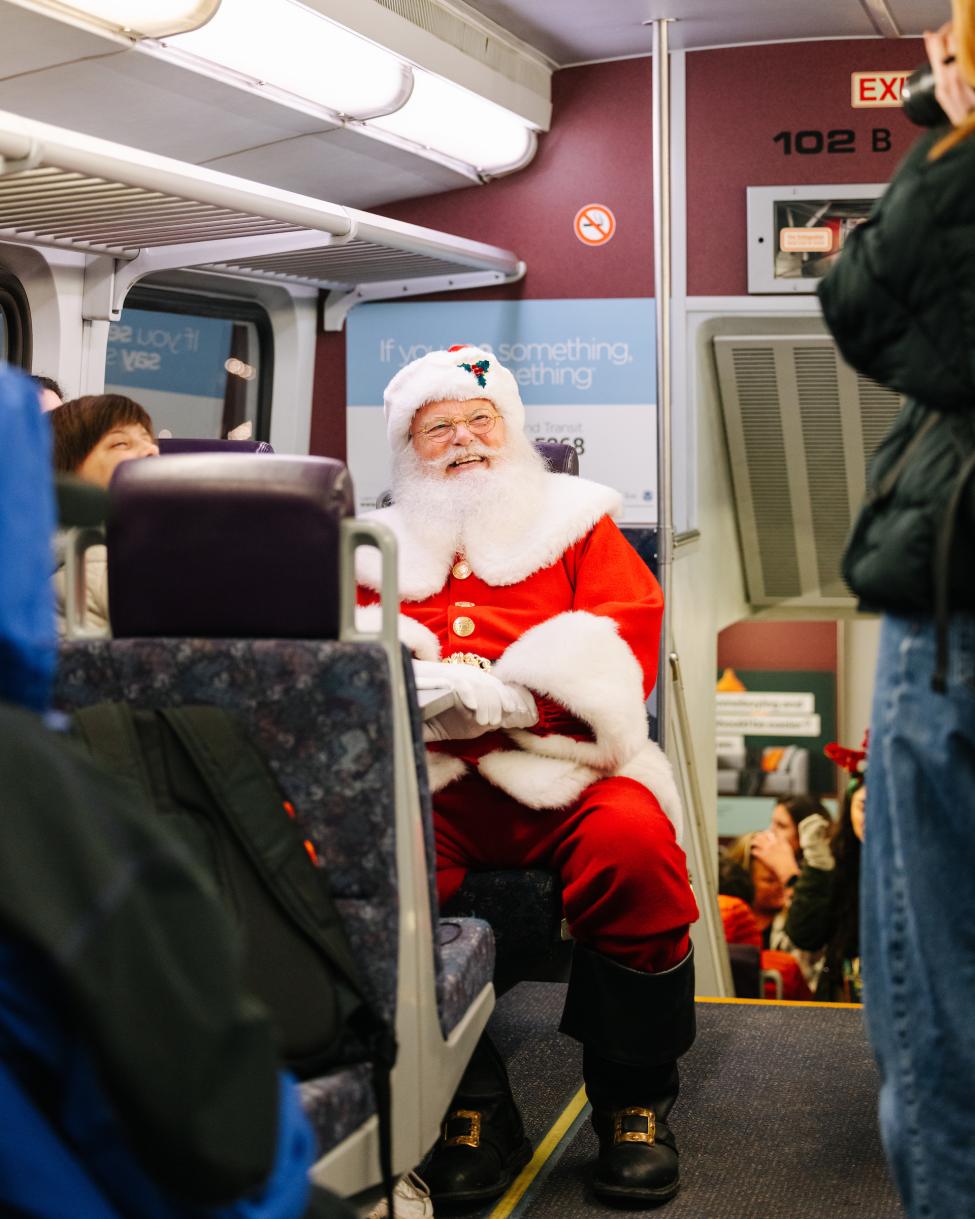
[[492, 502]]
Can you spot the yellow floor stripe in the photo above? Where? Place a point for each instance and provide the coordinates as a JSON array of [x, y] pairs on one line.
[[519, 1186], [774, 1002]]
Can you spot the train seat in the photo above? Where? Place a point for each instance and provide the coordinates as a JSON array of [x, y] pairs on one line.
[[560, 458], [226, 586], [169, 445]]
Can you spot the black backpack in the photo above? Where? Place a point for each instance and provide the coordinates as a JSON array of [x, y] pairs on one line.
[[197, 769]]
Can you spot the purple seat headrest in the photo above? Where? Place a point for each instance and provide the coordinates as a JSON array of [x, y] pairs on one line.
[[222, 546], [560, 458], [187, 444]]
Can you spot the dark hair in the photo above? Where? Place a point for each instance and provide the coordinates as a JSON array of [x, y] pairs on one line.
[[845, 899], [734, 880], [801, 807], [78, 425], [49, 383]]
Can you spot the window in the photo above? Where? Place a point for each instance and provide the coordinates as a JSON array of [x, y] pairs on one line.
[[201, 366], [14, 322]]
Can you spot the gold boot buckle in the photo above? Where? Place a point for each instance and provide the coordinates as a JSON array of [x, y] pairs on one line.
[[472, 1137], [635, 1136]]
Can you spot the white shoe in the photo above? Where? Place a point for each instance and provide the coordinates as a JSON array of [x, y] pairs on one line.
[[411, 1200]]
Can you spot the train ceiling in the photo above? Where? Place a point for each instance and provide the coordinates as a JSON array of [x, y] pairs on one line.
[[582, 31], [63, 73]]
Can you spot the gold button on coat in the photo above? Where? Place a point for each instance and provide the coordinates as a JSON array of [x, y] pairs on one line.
[[461, 570], [463, 626]]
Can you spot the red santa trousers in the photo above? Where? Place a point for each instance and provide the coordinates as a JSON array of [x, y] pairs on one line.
[[624, 878]]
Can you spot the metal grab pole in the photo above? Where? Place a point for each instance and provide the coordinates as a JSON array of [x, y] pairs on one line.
[[662, 291]]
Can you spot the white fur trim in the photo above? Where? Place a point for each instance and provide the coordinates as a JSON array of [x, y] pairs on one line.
[[536, 781], [422, 642], [443, 768], [568, 509], [651, 767], [580, 660], [541, 782], [439, 376]]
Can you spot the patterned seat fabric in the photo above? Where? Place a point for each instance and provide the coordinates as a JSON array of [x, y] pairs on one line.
[[467, 955], [321, 714], [337, 1104]]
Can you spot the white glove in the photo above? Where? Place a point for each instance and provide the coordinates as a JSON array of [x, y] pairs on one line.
[[525, 714], [486, 702], [814, 835]]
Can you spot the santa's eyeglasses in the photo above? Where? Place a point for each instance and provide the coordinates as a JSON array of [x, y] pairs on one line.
[[442, 431]]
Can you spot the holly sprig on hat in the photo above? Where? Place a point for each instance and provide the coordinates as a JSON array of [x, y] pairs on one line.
[[477, 370]]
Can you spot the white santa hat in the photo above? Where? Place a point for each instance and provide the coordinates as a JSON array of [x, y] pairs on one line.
[[458, 374]]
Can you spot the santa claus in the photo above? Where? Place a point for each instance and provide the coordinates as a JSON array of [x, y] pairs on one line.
[[521, 594]]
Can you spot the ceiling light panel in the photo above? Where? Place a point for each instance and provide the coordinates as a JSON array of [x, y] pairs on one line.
[[449, 120], [141, 18], [293, 49]]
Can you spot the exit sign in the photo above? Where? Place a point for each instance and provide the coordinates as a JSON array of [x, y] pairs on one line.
[[877, 88]]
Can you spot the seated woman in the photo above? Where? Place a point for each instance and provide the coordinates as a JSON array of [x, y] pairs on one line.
[[752, 905], [788, 817], [92, 437], [824, 913]]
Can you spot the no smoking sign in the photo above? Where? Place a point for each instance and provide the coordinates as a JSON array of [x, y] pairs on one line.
[[594, 224]]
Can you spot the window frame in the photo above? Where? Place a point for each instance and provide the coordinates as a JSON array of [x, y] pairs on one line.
[[173, 300], [17, 322]]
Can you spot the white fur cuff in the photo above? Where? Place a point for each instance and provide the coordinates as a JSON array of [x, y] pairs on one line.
[[580, 660], [443, 768]]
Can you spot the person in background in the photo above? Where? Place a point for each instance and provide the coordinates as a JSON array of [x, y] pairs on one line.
[[800, 832], [92, 437], [825, 909], [900, 302], [769, 907], [788, 816], [769, 894], [51, 394]]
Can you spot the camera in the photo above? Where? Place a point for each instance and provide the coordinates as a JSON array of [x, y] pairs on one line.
[[917, 98]]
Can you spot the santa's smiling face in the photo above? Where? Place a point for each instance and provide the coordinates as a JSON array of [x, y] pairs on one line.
[[456, 439]]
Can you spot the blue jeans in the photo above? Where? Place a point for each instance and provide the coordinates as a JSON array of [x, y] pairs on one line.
[[918, 914]]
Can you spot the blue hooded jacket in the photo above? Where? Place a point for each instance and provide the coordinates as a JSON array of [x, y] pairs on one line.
[[28, 646]]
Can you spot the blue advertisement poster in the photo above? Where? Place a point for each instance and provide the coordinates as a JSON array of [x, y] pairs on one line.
[[174, 365], [169, 352], [587, 373]]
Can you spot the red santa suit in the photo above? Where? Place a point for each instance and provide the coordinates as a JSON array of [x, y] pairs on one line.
[[571, 612]]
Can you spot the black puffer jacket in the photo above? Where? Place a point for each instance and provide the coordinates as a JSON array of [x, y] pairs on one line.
[[900, 302]]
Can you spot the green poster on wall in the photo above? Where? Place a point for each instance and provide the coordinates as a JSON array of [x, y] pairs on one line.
[[764, 730]]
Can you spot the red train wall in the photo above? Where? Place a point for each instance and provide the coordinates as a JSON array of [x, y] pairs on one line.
[[599, 152], [739, 99]]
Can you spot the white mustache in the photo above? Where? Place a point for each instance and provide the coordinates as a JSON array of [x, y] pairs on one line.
[[458, 451]]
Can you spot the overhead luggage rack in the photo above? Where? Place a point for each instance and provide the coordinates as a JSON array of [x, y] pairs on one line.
[[140, 213]]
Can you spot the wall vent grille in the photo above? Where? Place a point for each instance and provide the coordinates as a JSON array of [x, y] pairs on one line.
[[801, 426]]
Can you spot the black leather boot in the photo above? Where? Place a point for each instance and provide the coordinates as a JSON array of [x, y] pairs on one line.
[[482, 1145], [633, 1027]]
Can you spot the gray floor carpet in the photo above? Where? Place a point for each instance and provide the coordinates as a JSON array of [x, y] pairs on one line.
[[776, 1119]]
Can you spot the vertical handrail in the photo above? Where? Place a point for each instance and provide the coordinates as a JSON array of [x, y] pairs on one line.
[[662, 289], [713, 966], [711, 956]]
